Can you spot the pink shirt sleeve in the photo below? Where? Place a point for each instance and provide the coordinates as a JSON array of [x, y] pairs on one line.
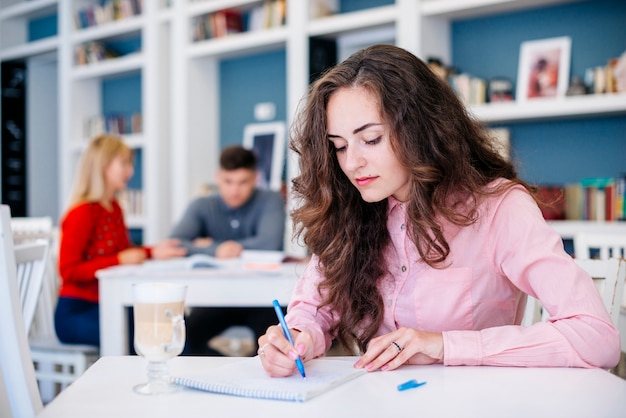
[[579, 331], [302, 312]]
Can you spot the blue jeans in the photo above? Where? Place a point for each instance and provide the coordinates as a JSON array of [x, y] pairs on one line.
[[77, 321]]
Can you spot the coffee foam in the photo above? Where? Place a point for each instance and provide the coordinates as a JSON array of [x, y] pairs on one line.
[[158, 292]]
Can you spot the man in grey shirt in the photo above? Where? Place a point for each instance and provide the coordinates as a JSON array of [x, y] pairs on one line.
[[239, 217]]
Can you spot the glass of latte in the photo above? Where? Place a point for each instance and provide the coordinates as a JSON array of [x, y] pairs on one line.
[[158, 310]]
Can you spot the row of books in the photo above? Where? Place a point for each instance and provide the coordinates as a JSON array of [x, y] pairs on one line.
[[216, 25], [93, 52], [110, 10], [596, 199], [113, 123], [269, 14], [472, 90], [131, 202], [601, 79], [591, 199]]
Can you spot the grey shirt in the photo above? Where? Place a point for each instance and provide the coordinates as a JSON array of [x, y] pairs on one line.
[[257, 225]]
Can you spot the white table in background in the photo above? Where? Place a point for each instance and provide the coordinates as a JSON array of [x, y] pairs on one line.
[[225, 287], [105, 390]]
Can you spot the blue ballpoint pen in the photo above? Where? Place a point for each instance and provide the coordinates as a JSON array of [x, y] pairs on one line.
[[283, 324]]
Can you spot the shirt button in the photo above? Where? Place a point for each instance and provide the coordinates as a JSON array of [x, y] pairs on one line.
[[403, 269], [402, 227]]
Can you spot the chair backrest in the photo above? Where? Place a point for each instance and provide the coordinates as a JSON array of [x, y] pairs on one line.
[[602, 245], [31, 261], [29, 229], [18, 373], [608, 276]]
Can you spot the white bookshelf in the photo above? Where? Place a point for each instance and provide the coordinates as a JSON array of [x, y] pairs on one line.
[[40, 57], [422, 27], [180, 81], [81, 99], [567, 229], [540, 108]]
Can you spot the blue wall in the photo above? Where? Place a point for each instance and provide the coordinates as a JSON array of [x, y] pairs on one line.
[[556, 151], [42, 27], [123, 95], [245, 82]]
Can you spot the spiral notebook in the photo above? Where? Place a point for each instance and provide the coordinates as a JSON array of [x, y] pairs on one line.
[[247, 378]]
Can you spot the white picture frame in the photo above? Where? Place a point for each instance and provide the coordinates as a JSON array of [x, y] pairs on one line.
[[267, 140], [543, 70]]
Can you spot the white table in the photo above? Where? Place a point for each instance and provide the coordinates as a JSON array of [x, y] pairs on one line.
[[105, 390], [232, 287]]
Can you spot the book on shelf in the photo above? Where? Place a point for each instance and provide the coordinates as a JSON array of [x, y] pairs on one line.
[[247, 378], [471, 90], [501, 138], [226, 22], [551, 201], [323, 8]]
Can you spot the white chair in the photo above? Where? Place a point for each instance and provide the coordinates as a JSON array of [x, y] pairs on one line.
[[19, 395], [30, 259], [56, 364], [608, 276], [600, 245], [605, 245]]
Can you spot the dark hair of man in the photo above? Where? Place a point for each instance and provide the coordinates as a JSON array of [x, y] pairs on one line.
[[450, 159], [235, 157]]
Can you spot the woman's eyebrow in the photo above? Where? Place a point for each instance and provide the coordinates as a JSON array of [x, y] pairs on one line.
[[367, 125], [357, 130]]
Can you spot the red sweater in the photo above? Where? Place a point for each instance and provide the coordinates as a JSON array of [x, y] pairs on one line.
[[91, 238]]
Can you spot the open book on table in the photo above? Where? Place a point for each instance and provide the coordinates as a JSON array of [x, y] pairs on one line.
[[250, 259], [247, 378]]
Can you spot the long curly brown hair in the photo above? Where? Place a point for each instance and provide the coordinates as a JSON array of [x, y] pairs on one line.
[[450, 159]]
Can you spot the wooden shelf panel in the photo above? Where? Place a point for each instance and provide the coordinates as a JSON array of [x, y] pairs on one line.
[[544, 109], [115, 29], [567, 229], [110, 67], [29, 9], [347, 22], [200, 8], [462, 9], [42, 46], [240, 43]]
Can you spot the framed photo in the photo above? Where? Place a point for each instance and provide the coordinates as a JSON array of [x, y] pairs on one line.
[[267, 140], [543, 68]]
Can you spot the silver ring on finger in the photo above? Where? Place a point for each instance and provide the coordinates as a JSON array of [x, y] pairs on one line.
[[396, 346], [262, 349]]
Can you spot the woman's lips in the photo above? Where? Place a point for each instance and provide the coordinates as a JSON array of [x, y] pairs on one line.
[[364, 181]]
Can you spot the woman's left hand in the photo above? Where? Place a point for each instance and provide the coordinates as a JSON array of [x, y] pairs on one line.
[[167, 249], [403, 346]]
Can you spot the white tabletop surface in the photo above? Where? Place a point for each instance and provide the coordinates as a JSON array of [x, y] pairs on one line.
[[105, 390], [227, 287]]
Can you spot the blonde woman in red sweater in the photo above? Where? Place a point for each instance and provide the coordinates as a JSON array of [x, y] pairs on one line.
[[94, 236]]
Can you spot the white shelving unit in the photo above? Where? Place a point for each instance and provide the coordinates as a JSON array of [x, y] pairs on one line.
[[14, 20], [42, 118], [422, 27], [180, 80], [81, 99]]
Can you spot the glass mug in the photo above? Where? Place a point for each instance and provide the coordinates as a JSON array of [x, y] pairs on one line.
[[158, 310]]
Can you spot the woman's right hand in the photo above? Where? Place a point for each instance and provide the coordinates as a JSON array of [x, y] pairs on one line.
[[278, 356], [132, 256]]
